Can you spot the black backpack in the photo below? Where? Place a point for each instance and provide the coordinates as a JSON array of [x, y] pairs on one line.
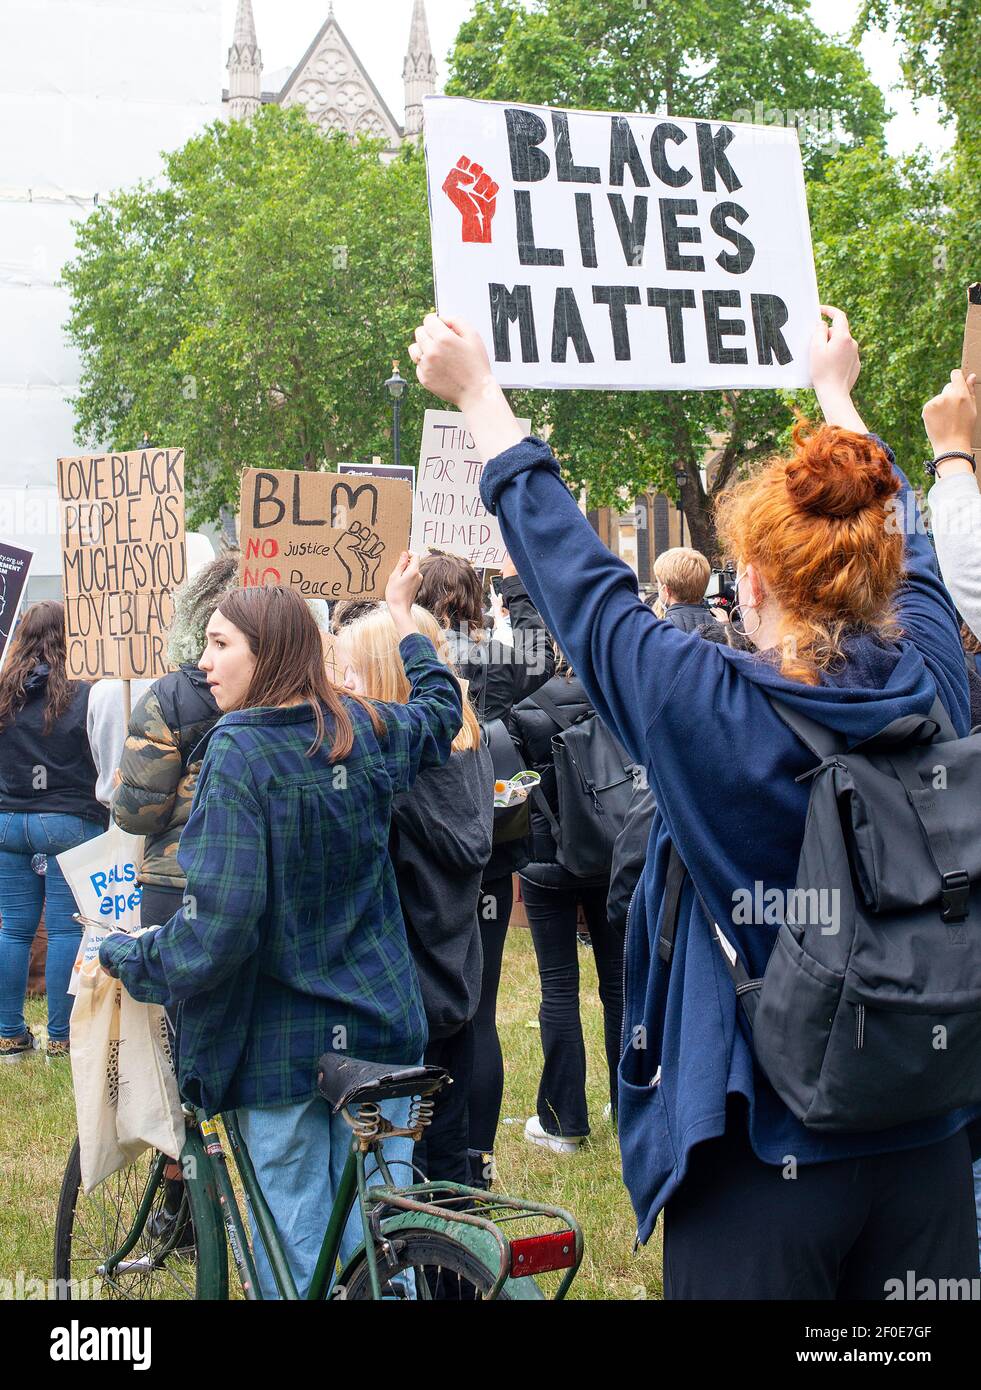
[[869, 1012], [594, 779]]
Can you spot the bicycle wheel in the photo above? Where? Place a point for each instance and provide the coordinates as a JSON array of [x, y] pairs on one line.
[[445, 1271], [88, 1229]]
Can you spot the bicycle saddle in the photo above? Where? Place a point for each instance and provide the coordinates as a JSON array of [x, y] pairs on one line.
[[346, 1080]]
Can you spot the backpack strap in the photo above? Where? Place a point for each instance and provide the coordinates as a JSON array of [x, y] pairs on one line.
[[554, 711], [822, 742], [747, 989]]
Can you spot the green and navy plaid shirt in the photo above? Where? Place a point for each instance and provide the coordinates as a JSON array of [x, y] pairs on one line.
[[291, 941]]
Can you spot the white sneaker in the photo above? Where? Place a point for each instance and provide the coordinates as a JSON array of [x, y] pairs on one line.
[[534, 1134]]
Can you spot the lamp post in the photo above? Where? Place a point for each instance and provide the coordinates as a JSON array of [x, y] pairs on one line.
[[395, 386], [681, 478]]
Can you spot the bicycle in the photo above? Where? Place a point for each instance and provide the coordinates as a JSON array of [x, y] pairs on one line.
[[144, 1234]]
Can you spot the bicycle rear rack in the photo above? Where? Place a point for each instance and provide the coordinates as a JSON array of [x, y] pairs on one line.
[[534, 1253]]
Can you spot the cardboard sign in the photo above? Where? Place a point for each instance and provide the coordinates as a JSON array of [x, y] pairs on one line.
[[324, 535], [402, 471], [15, 566], [122, 539], [622, 252], [971, 356], [447, 513]]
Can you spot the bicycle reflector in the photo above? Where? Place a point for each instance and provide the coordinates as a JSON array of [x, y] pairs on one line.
[[537, 1254]]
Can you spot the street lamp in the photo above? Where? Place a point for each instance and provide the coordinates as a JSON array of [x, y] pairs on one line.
[[681, 478], [395, 386]]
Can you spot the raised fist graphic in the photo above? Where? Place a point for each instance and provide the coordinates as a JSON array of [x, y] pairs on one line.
[[359, 551], [474, 193]]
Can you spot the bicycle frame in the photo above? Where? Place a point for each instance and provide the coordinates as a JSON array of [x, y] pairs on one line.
[[203, 1156]]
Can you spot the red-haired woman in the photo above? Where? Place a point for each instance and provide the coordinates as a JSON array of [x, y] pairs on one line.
[[756, 1204], [47, 805], [290, 942]]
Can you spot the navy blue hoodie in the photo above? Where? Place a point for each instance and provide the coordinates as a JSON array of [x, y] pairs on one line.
[[722, 765]]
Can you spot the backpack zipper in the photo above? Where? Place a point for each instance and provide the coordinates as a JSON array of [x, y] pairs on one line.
[[859, 1026]]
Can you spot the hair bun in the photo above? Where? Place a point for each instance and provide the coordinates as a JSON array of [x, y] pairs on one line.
[[836, 472]]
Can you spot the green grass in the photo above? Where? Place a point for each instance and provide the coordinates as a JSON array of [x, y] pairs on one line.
[[37, 1127]]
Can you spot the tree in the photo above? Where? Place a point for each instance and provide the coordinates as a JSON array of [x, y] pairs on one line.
[[761, 61], [249, 306]]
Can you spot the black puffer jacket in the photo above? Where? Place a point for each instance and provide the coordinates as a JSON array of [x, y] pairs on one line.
[[534, 730], [689, 616]]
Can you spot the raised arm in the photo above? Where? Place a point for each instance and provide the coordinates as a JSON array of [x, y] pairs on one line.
[[955, 502], [625, 657], [420, 733], [924, 607]]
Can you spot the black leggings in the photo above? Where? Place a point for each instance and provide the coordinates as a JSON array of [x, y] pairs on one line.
[[739, 1228], [487, 1085]]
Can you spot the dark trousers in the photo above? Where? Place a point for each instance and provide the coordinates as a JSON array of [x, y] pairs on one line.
[[742, 1229], [487, 1084], [442, 1152], [552, 916]]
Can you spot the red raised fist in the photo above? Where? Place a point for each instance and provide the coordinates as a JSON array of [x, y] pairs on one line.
[[474, 193]]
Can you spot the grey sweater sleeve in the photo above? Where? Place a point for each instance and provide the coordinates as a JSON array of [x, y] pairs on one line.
[[107, 732], [955, 516]]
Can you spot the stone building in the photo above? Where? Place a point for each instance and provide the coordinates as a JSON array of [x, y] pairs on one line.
[[331, 81]]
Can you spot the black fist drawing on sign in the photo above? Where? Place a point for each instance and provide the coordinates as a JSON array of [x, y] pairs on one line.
[[359, 551]]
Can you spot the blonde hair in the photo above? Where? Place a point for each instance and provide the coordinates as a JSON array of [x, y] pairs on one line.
[[374, 647], [684, 571]]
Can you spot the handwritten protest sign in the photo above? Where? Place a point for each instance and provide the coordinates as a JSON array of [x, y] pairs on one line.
[[627, 252], [122, 537], [447, 513], [324, 535], [15, 565]]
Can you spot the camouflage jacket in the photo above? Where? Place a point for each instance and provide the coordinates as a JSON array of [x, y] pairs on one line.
[[159, 768]]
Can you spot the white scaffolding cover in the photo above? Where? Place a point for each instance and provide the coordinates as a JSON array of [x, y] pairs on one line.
[[91, 93]]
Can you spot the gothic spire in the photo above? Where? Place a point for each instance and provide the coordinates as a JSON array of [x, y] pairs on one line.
[[244, 66], [418, 70]]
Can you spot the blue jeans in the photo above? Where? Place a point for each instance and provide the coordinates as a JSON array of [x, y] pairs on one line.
[[299, 1153], [23, 894]]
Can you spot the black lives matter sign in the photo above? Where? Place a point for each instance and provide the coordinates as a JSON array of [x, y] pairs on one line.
[[629, 252], [123, 555]]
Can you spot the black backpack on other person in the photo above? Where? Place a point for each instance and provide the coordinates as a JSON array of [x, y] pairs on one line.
[[869, 1012], [594, 779]]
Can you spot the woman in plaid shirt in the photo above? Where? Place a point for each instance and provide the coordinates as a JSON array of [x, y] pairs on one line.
[[290, 941]]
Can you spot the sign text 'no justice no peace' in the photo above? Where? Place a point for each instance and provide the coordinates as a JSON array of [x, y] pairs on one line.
[[630, 252]]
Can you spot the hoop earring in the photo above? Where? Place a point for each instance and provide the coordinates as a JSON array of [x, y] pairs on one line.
[[736, 617]]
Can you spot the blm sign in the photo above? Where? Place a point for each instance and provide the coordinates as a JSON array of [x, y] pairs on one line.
[[122, 541], [325, 535], [592, 249]]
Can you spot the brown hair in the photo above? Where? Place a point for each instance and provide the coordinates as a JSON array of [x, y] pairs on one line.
[[40, 638], [815, 525], [452, 591], [684, 571], [969, 641], [285, 640]]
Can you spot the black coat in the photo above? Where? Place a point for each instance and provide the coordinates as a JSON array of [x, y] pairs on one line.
[[63, 756], [501, 675], [440, 842], [533, 730]]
